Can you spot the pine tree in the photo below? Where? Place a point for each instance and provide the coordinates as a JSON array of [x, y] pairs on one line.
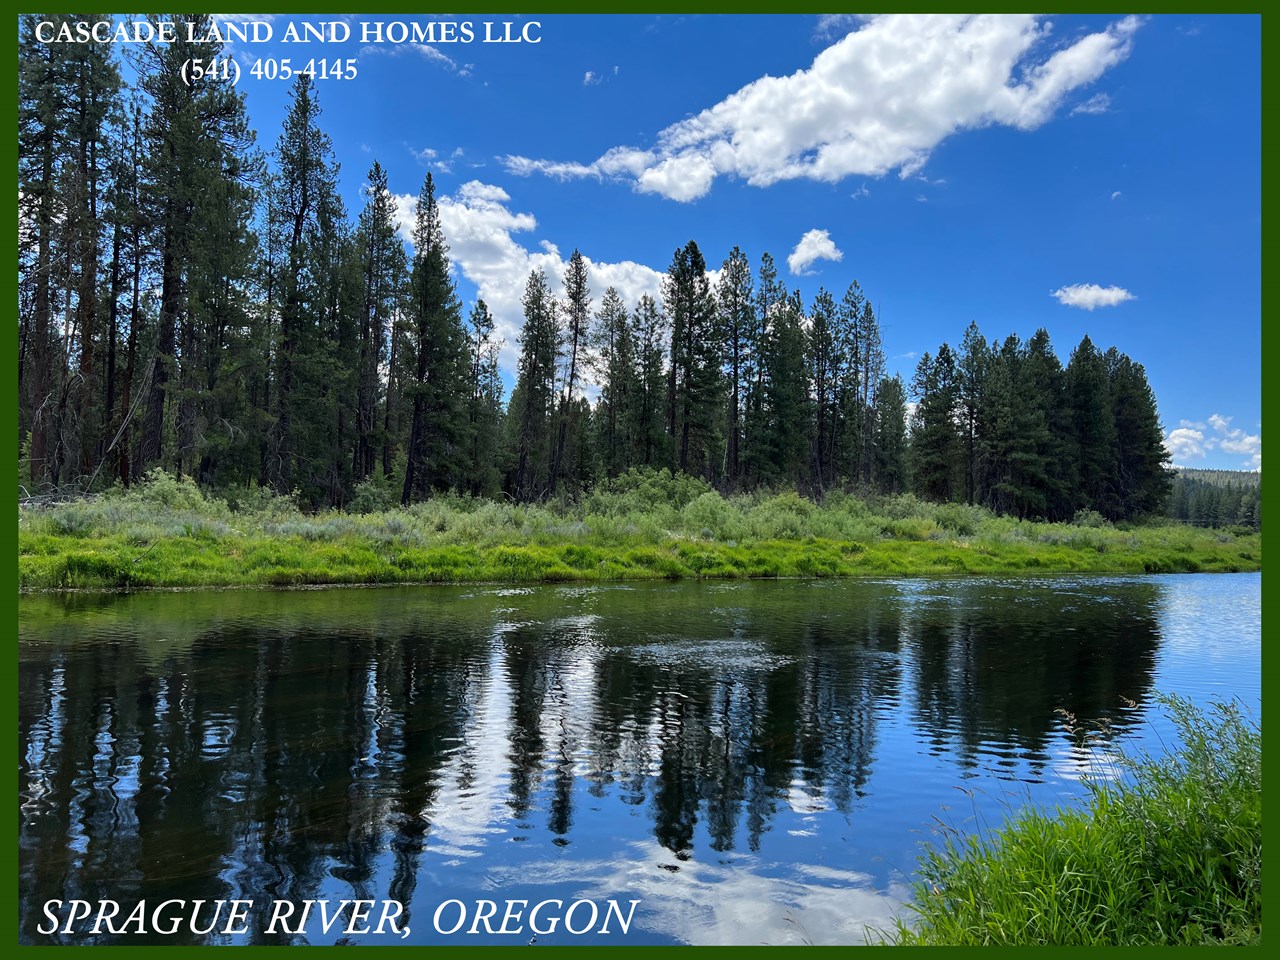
[[198, 179], [577, 313], [615, 350], [870, 360], [738, 321], [972, 369], [68, 102], [649, 329], [771, 295], [1088, 398], [1047, 385], [40, 78], [437, 353], [786, 396], [694, 380], [530, 413], [1141, 475], [307, 278], [1015, 443], [383, 270], [935, 440], [849, 439], [824, 361], [890, 444], [484, 408]]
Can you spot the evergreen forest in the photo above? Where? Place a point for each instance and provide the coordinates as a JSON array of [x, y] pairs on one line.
[[195, 296]]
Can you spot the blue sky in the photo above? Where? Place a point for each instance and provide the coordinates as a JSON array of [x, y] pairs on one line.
[[1016, 171]]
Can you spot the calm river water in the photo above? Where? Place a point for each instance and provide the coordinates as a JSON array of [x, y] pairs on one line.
[[753, 762]]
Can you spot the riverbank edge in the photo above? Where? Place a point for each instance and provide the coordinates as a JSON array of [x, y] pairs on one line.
[[107, 563]]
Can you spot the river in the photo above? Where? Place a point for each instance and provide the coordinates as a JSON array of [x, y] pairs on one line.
[[753, 762]]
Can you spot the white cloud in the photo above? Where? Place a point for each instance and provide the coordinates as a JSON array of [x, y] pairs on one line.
[[480, 226], [429, 157], [833, 25], [1115, 195], [1185, 444], [1234, 440], [591, 78], [882, 98], [1088, 296], [1190, 441], [1098, 103], [425, 50], [1244, 443], [813, 246]]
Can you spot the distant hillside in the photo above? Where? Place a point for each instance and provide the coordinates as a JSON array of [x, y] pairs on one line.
[[1222, 478], [1216, 498]]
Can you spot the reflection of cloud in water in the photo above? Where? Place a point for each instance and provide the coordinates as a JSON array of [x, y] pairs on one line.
[[804, 798], [736, 904], [472, 802], [720, 653], [1088, 762]]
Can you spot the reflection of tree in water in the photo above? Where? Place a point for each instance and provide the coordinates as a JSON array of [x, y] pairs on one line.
[[289, 760], [273, 762], [727, 739], [991, 674]]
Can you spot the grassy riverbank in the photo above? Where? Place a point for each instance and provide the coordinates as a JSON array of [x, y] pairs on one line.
[[167, 533], [1169, 855]]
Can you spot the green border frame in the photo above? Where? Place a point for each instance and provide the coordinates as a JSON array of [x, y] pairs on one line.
[[8, 351]]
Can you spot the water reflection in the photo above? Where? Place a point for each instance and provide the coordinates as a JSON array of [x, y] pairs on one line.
[[749, 759]]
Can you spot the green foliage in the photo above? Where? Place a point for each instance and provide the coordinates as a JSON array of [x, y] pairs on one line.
[[1171, 854], [260, 501], [643, 488], [1085, 517], [377, 493], [162, 489], [166, 532]]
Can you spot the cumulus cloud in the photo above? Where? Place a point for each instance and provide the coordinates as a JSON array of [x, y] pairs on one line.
[[1098, 103], [482, 228], [1185, 444], [591, 78], [1088, 296], [879, 99], [833, 25], [813, 246], [1193, 440]]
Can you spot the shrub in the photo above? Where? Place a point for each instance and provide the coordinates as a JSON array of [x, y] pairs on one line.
[[161, 489], [712, 517], [1087, 517], [643, 488], [250, 498], [374, 495], [960, 519]]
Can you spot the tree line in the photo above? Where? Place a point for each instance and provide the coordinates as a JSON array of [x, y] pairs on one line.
[[1216, 498], [189, 301]]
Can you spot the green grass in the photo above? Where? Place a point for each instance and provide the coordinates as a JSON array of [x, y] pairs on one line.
[[167, 533], [1169, 855]]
